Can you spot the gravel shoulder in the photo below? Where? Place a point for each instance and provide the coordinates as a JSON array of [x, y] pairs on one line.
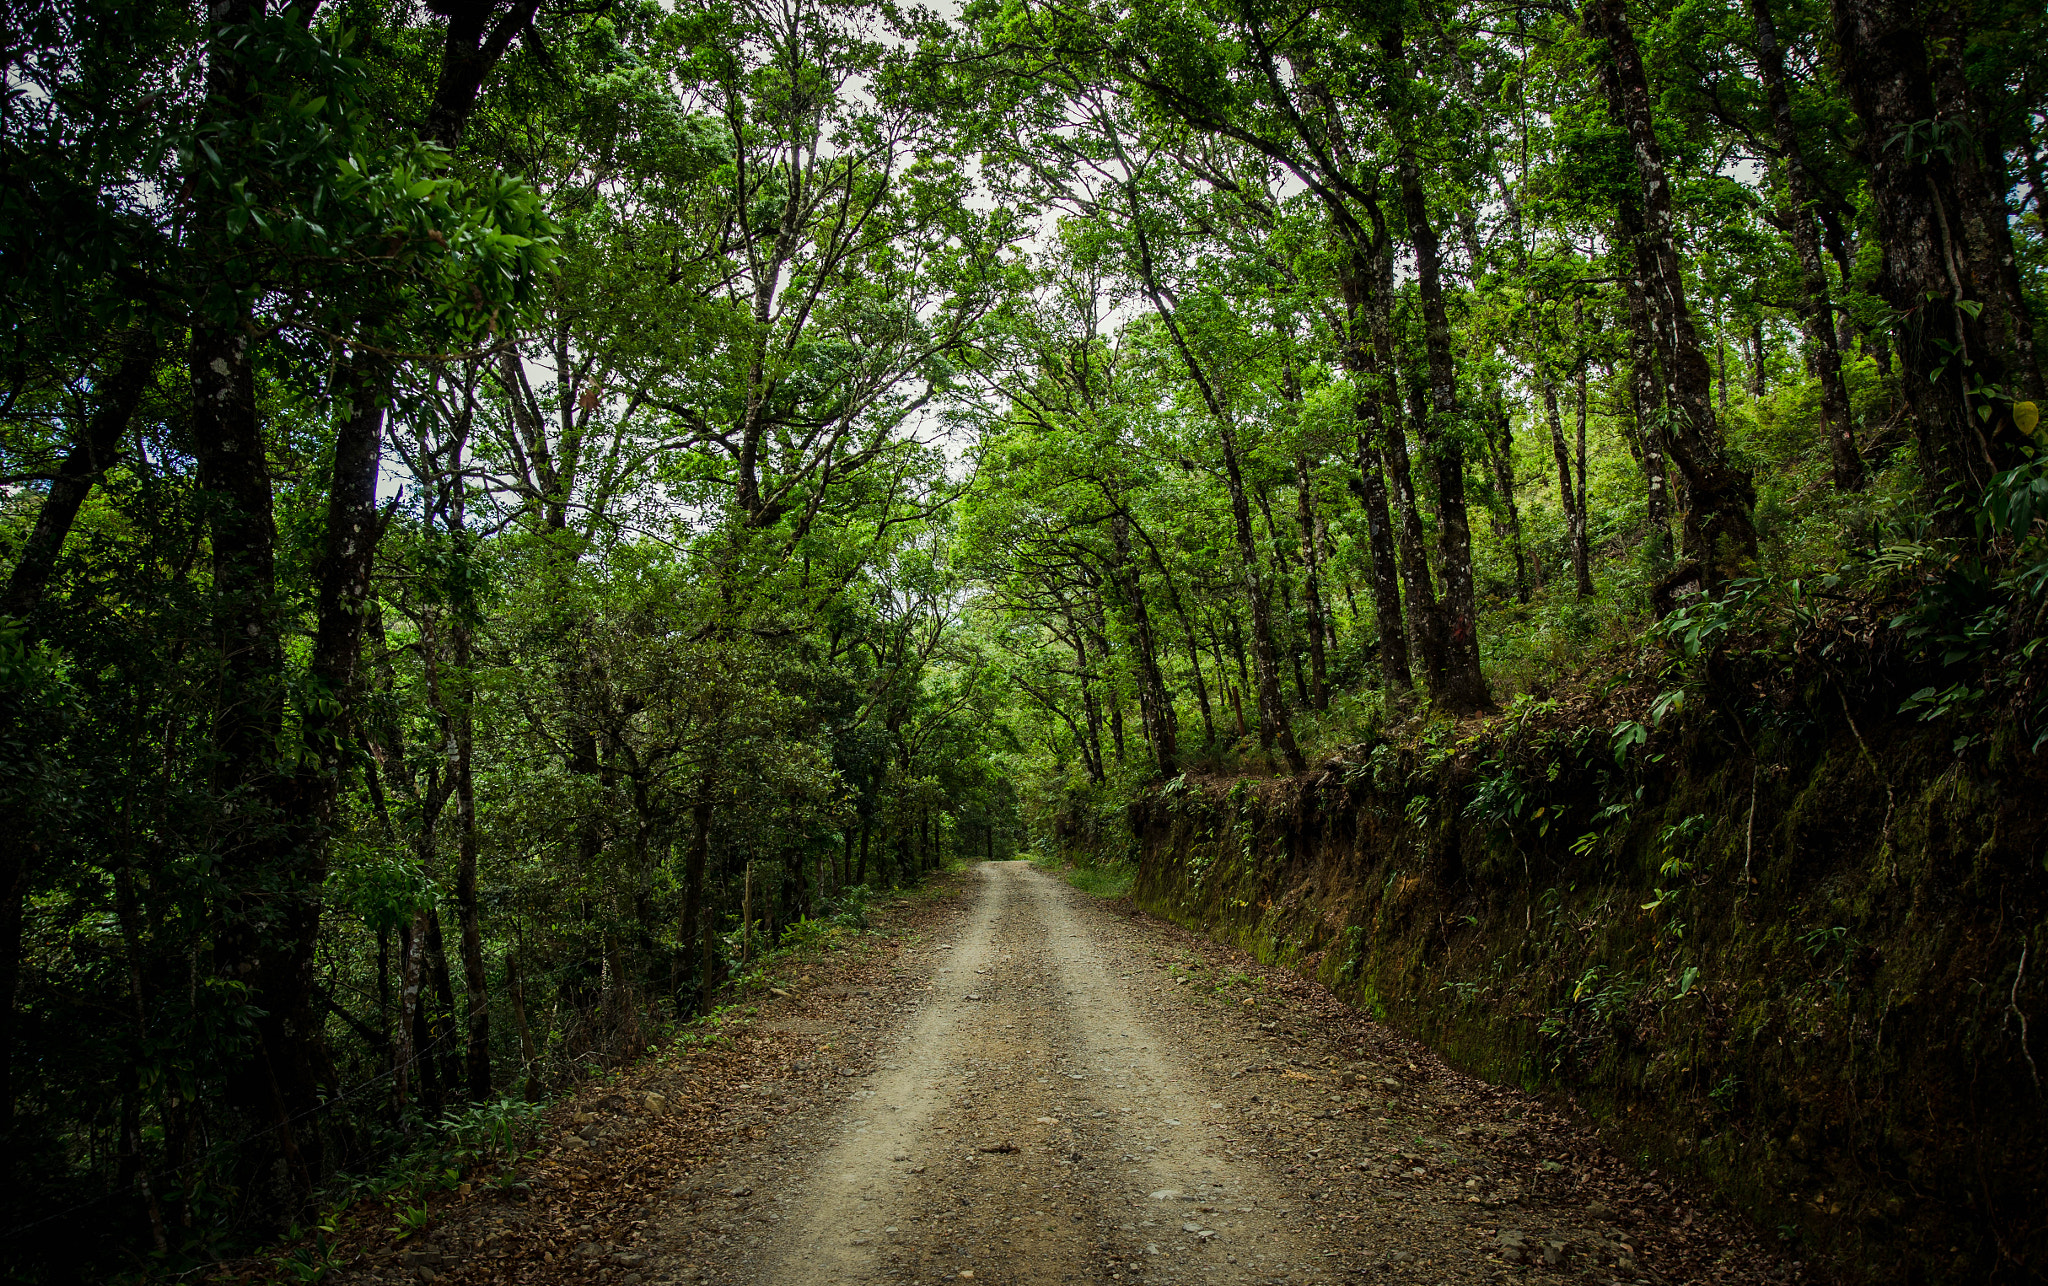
[[1019, 1083]]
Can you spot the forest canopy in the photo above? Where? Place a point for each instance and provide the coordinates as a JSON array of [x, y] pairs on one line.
[[511, 508]]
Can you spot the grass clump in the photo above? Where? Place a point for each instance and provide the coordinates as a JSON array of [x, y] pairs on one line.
[[1103, 879]]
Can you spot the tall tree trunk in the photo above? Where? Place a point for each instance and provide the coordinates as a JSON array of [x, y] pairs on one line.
[[1990, 269], [1365, 279], [1283, 580], [1945, 349], [1154, 704], [1721, 353], [1368, 413], [1425, 618], [1464, 686], [1499, 433], [441, 1023], [692, 925], [1091, 749], [1312, 582], [119, 392], [529, 1055], [455, 703], [261, 911], [134, 1166], [1816, 309], [405, 1049], [1574, 516], [708, 960], [1275, 725], [1719, 534], [1760, 356], [1585, 510], [1646, 390], [476, 988], [1187, 629]]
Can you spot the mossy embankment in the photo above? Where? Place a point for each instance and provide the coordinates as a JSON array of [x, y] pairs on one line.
[[1793, 954]]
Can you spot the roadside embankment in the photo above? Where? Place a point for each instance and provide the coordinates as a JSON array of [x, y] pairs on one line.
[[1794, 956]]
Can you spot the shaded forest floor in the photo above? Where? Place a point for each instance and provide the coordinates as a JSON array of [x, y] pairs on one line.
[[1009, 1081]]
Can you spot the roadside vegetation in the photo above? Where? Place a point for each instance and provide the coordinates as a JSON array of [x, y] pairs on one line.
[[515, 512]]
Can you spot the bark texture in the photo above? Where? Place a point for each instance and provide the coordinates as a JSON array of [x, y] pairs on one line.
[[1951, 366], [1719, 533], [1816, 308], [1462, 685]]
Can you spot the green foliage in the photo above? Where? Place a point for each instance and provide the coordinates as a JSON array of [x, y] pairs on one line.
[[699, 474], [412, 1221]]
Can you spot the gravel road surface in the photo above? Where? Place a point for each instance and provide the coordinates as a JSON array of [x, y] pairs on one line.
[[1015, 1082]]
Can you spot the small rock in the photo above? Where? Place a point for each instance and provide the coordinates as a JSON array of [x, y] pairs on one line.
[[739, 1192], [1166, 1194], [1190, 1226], [967, 1273], [1401, 1256], [1512, 1244], [657, 1104]]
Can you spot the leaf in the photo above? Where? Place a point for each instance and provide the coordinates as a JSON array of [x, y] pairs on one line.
[[2026, 417]]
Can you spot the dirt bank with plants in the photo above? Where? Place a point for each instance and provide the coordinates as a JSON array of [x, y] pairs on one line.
[[1778, 937]]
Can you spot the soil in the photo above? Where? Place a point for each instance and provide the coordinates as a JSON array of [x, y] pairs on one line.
[[1019, 1083]]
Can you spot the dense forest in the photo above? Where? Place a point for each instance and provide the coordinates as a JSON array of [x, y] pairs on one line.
[[513, 508]]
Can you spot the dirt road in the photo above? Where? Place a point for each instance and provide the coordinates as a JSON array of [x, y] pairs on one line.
[[1024, 1084], [1051, 1102], [1031, 1124]]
